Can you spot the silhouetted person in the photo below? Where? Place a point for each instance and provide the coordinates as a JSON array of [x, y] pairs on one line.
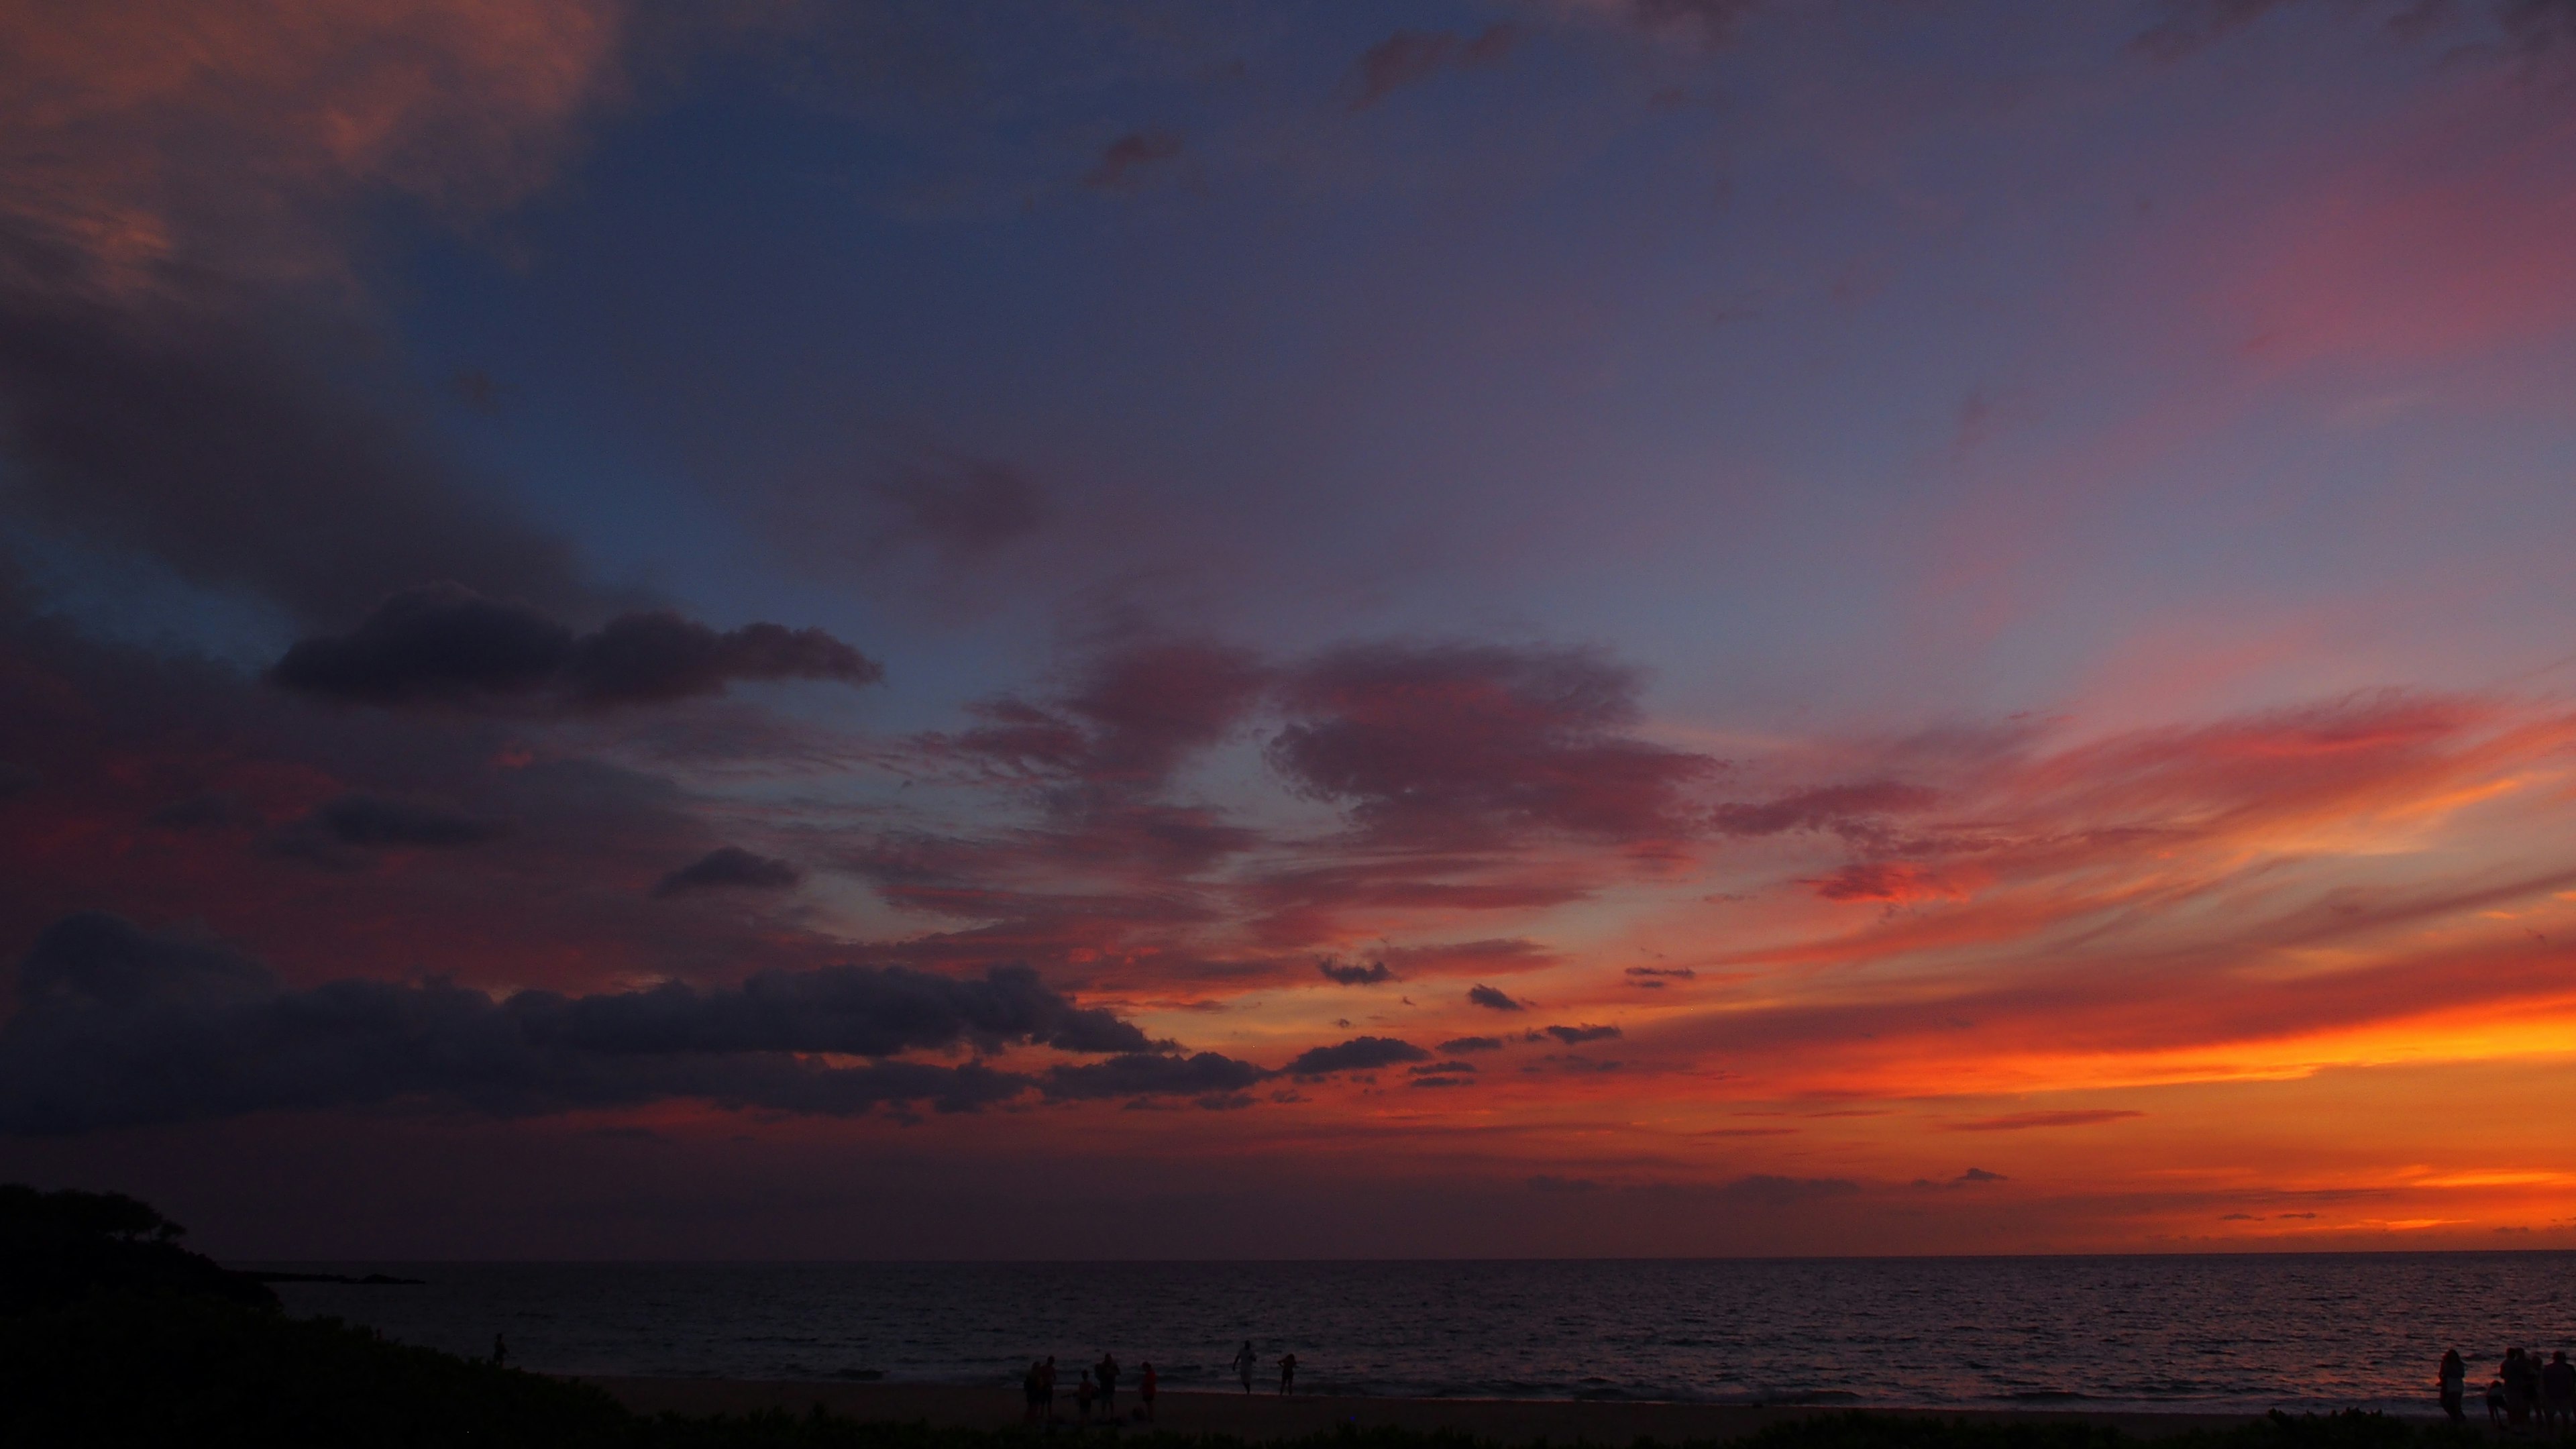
[[1033, 1390], [1245, 1360], [2455, 1384], [1046, 1384], [500, 1352], [2521, 1386], [1082, 1397], [2495, 1403], [1145, 1389], [2558, 1392], [1287, 1373], [1109, 1384]]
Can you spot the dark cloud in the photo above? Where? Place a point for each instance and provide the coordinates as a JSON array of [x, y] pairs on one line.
[[1472, 1044], [1763, 1189], [117, 1027], [1359, 1054], [1440, 1069], [210, 811], [729, 867], [2024, 1121], [176, 431], [1973, 1177], [1488, 997], [1126, 162], [1204, 1075], [1476, 744], [1443, 1081], [1550, 1182], [852, 1010], [445, 644], [1656, 978], [1374, 973], [1847, 810], [1577, 1035], [1409, 57], [373, 821]]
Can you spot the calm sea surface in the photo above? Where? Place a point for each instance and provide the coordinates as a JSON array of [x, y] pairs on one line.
[[2304, 1331]]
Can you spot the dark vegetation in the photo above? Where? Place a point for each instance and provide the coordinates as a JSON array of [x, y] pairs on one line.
[[111, 1334]]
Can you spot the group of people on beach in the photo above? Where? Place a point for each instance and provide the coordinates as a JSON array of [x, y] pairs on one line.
[[2523, 1389], [1097, 1386]]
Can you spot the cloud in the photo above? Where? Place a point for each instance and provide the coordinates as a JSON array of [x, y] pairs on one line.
[[2191, 26], [372, 821], [1853, 811], [1409, 57], [1577, 1035], [1359, 1054], [1550, 1182], [2024, 1121], [1767, 1190], [1130, 718], [1205, 1075], [729, 867], [1895, 882], [1973, 1177], [1129, 161], [119, 1027], [1656, 978], [964, 509], [168, 173], [1491, 999], [1465, 745], [1436, 1069], [1712, 23], [1372, 974], [444, 644], [1472, 1044], [189, 439]]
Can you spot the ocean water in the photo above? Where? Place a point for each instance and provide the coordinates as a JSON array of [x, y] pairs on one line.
[[2306, 1331]]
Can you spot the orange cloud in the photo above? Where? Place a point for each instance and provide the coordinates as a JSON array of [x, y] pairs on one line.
[[139, 134]]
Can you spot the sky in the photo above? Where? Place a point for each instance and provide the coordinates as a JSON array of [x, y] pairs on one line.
[[1196, 628]]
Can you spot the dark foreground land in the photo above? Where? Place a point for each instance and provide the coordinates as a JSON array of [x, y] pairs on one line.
[[1264, 1417], [111, 1334]]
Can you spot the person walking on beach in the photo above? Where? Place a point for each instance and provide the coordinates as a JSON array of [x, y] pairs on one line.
[[2558, 1393], [1082, 1398], [1145, 1390], [1046, 1386], [1109, 1384], [1245, 1360], [500, 1352], [1033, 1390], [1287, 1373], [2455, 1385]]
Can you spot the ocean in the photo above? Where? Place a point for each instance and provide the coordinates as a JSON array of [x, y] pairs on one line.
[[2296, 1331]]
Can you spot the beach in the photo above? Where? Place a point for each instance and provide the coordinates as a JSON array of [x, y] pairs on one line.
[[1268, 1416]]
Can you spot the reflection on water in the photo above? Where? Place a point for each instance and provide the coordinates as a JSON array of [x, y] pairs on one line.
[[2324, 1330]]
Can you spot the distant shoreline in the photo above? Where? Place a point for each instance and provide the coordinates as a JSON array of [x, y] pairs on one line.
[[1264, 1415]]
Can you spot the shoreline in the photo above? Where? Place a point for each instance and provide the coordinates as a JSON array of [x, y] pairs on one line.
[[1265, 1416]]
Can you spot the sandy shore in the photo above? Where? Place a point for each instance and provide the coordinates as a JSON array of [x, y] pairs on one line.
[[1267, 1416]]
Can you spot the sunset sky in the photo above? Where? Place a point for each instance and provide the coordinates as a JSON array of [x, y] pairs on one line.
[[927, 628]]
